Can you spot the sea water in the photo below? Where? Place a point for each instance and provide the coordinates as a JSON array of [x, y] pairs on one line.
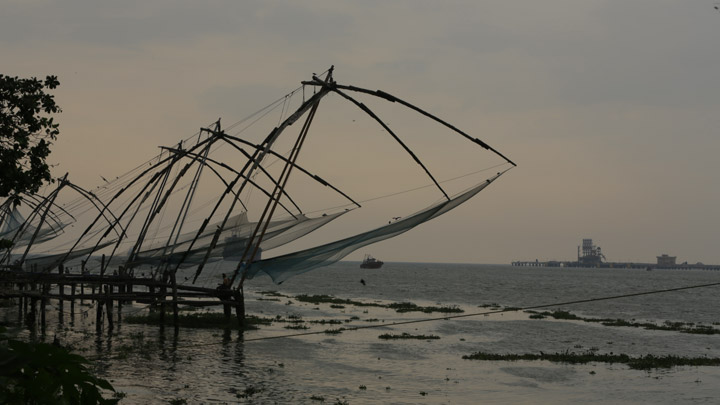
[[356, 367]]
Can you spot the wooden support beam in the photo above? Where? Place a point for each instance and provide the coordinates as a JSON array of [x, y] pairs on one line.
[[72, 300], [98, 315], [175, 299], [239, 298], [109, 305], [21, 299]]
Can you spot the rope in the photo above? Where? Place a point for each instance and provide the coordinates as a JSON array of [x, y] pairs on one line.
[[409, 190], [384, 325]]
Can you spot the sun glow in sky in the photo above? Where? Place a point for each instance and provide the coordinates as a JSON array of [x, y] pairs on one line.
[[611, 109]]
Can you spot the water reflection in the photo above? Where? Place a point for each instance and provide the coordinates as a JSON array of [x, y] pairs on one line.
[[155, 365]]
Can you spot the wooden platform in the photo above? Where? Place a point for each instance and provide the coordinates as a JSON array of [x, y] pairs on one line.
[[109, 291]]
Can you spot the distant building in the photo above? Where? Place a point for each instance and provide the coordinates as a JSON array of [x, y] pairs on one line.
[[665, 260], [590, 255]]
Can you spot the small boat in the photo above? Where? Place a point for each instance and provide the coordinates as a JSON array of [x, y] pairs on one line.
[[370, 262]]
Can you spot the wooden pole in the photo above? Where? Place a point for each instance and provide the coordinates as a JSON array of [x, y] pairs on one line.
[[109, 304], [98, 314], [25, 302], [31, 317], [176, 321], [121, 288], [21, 300], [239, 297], [72, 301], [61, 292], [43, 303], [163, 294]]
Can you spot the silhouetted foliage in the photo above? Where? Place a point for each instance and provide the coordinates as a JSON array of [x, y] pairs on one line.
[[41, 373], [26, 133]]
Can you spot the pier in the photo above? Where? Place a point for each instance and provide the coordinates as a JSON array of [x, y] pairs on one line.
[[33, 292], [616, 265], [590, 256]]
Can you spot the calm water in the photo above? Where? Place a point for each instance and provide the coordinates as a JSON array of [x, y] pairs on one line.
[[215, 366]]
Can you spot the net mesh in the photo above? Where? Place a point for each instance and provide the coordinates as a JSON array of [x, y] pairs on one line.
[[286, 266]]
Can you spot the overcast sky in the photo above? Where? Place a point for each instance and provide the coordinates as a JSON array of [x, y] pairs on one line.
[[610, 108]]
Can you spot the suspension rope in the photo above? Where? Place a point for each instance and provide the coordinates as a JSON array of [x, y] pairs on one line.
[[408, 190], [445, 318]]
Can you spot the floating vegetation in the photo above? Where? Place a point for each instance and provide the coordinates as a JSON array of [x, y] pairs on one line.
[[302, 327], [328, 299], [249, 392], [290, 319], [334, 331], [268, 299], [336, 306], [273, 294], [646, 362], [327, 322], [398, 306], [317, 398], [406, 335], [410, 307], [563, 315], [362, 387], [201, 320], [684, 327]]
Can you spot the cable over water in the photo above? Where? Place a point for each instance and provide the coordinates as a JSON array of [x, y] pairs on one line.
[[449, 317]]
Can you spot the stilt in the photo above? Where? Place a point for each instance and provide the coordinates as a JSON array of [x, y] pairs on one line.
[[228, 311], [32, 317], [21, 299], [72, 300], [25, 302], [98, 315], [129, 290], [225, 295], [163, 294], [119, 309], [239, 297], [43, 303], [176, 321], [109, 304], [61, 300]]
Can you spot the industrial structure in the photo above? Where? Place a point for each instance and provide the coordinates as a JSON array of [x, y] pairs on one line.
[[666, 261], [590, 255]]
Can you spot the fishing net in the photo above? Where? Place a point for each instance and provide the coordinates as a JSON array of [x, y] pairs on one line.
[[286, 266], [232, 241]]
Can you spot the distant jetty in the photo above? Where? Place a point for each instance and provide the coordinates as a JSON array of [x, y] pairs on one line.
[[591, 256]]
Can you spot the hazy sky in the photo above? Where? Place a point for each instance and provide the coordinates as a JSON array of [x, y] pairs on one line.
[[610, 108]]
